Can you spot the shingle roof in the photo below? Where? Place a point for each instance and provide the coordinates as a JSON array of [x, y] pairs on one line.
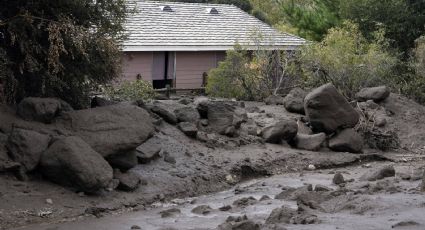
[[191, 27]]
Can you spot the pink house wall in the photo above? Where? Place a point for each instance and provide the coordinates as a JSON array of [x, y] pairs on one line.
[[190, 66], [134, 63]]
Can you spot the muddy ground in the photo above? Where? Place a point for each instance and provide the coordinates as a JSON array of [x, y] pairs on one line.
[[251, 167]]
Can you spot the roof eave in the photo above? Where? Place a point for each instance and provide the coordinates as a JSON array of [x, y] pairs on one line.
[[205, 48]]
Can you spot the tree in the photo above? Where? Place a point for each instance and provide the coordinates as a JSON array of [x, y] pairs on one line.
[[402, 20], [349, 61], [59, 48]]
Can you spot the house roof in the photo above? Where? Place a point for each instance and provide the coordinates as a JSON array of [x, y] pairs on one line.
[[196, 27]]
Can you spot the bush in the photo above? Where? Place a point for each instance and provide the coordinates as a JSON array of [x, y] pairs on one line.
[[130, 90], [346, 59]]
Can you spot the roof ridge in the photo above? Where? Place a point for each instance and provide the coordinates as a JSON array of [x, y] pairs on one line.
[[184, 3]]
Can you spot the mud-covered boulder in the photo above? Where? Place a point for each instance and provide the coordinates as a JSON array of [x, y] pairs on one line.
[[109, 130], [328, 110], [281, 215], [164, 112], [201, 104], [128, 181], [282, 130], [376, 94], [220, 116], [123, 161], [149, 150], [274, 100], [188, 128], [187, 114], [379, 174], [71, 161], [26, 147], [41, 109], [348, 140], [311, 142], [294, 101]]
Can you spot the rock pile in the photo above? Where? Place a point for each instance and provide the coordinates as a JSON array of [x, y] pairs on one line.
[[76, 148]]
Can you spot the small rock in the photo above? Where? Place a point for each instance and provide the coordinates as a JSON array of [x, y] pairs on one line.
[[274, 100], [162, 111], [225, 208], [170, 212], [245, 201], [348, 140], [311, 167], [322, 188], [376, 94], [310, 142], [127, 181], [169, 159], [338, 179], [385, 171], [149, 150], [265, 197], [49, 201], [403, 224], [187, 114], [282, 130], [188, 128], [123, 161], [135, 227], [202, 210]]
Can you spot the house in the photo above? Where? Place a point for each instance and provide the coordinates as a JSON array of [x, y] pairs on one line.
[[178, 43]]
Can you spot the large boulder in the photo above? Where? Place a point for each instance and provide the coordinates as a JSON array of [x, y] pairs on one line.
[[311, 142], [187, 114], [109, 130], [376, 94], [26, 147], [281, 130], [41, 109], [328, 110], [124, 161], [71, 161], [274, 100], [348, 140], [220, 116], [294, 101]]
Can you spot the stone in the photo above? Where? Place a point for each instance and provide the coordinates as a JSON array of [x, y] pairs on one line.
[[348, 140], [423, 182], [100, 102], [162, 111], [202, 210], [327, 110], [294, 101], [220, 116], [201, 104], [282, 130], [309, 142], [338, 179], [26, 147], [149, 150], [245, 201], [303, 128], [281, 215], [321, 188], [274, 100], [379, 174], [135, 227], [188, 128], [109, 130], [169, 159], [128, 181], [241, 225], [185, 101], [41, 109], [187, 114], [71, 161], [169, 212], [377, 94], [124, 161]]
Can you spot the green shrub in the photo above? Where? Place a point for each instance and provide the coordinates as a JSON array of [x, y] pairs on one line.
[[346, 59], [130, 90]]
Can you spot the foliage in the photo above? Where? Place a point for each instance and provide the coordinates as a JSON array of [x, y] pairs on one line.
[[312, 18], [250, 75], [346, 59], [60, 48], [402, 20], [130, 90]]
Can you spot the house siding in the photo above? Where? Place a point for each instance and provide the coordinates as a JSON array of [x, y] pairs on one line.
[[134, 63], [190, 67]]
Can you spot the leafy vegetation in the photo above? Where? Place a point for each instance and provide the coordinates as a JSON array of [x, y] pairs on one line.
[[59, 48], [130, 90], [346, 59]]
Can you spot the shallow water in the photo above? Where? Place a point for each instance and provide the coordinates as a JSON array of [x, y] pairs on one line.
[[385, 209]]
